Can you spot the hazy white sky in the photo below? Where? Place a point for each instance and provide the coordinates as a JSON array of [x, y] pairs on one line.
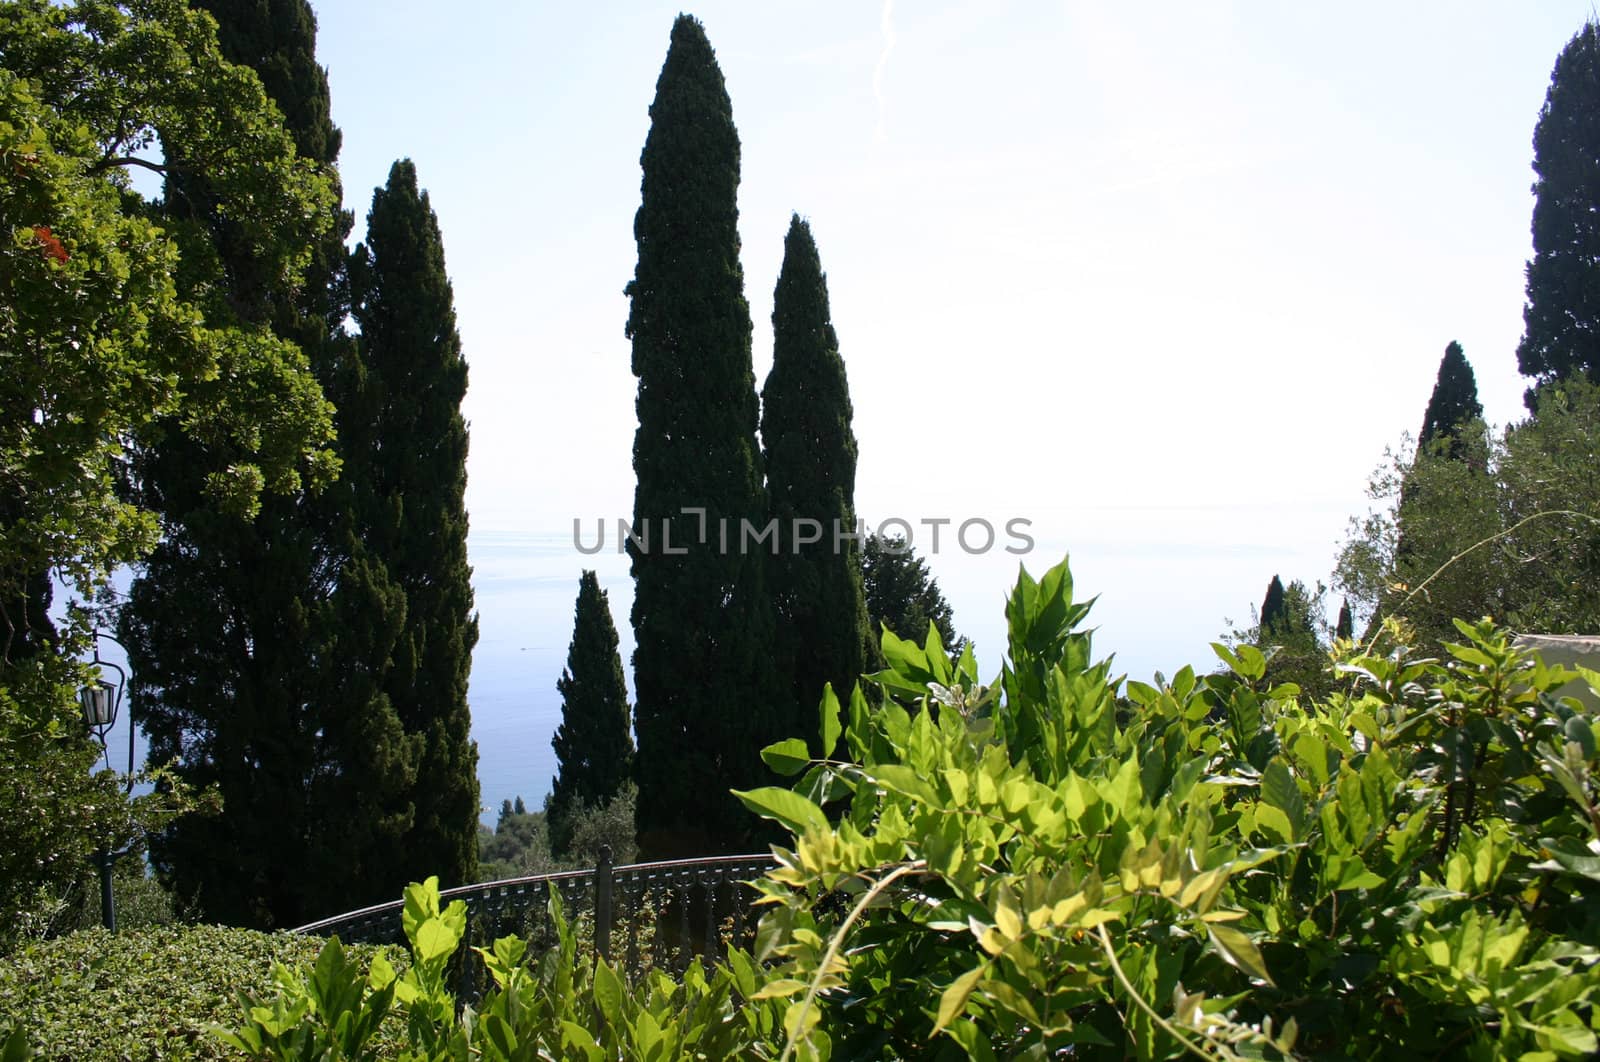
[[1164, 279]]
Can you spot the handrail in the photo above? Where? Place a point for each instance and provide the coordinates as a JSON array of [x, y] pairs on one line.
[[704, 891]]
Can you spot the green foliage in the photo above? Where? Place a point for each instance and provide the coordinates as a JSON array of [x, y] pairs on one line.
[[594, 741], [273, 723], [902, 596], [124, 341], [519, 845], [546, 1006], [147, 994], [1291, 617], [1511, 529], [702, 621], [405, 446], [816, 586], [1223, 869], [1562, 316]]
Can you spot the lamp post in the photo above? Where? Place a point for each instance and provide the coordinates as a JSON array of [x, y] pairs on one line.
[[100, 700]]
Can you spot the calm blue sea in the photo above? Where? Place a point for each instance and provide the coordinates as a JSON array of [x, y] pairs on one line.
[[526, 587]]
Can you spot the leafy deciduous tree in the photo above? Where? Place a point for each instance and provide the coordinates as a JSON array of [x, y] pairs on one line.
[[115, 337]]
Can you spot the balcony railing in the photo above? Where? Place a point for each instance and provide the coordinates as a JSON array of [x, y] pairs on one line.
[[636, 916]]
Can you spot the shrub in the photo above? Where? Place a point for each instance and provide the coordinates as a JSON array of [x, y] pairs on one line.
[[1410, 866], [545, 1006], [143, 994]]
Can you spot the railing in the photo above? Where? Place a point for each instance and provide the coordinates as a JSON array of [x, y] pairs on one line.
[[662, 914]]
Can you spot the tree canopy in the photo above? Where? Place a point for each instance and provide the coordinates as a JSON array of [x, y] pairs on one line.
[[1562, 316], [115, 332], [1510, 531]]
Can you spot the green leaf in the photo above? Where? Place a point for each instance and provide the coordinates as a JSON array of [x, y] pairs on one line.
[[1271, 821], [1238, 950], [784, 806], [1278, 789], [780, 988], [435, 940], [903, 779], [830, 724], [16, 1049], [1571, 856], [788, 757], [575, 1035], [1571, 1040], [608, 993], [954, 997]]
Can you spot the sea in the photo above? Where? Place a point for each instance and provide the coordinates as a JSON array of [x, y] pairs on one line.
[[526, 587]]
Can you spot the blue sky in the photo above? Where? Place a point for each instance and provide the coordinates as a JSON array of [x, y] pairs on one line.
[[1164, 279]]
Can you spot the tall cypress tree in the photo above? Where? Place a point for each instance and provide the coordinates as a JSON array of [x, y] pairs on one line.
[[811, 475], [406, 451], [1274, 611], [1562, 316], [1453, 403], [1345, 629], [701, 618], [256, 645], [594, 743]]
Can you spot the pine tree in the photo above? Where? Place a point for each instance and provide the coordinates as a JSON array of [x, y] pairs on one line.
[[405, 470], [594, 743], [1562, 316], [811, 475], [1453, 404], [902, 595], [701, 618]]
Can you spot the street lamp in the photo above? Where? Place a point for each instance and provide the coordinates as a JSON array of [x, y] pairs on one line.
[[100, 700]]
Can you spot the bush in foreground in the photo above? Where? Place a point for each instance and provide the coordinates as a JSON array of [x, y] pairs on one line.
[[1408, 867], [1040, 866], [144, 994]]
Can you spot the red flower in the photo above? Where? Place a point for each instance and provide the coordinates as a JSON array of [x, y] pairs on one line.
[[52, 246]]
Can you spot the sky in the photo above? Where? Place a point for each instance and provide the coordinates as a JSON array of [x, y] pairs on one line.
[[1164, 280]]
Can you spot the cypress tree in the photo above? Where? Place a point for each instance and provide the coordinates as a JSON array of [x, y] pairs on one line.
[[406, 451], [1345, 629], [594, 743], [1453, 403], [1274, 611], [258, 646], [701, 618], [811, 475], [1562, 315]]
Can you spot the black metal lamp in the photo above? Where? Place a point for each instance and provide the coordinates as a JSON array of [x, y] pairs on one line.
[[100, 700]]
